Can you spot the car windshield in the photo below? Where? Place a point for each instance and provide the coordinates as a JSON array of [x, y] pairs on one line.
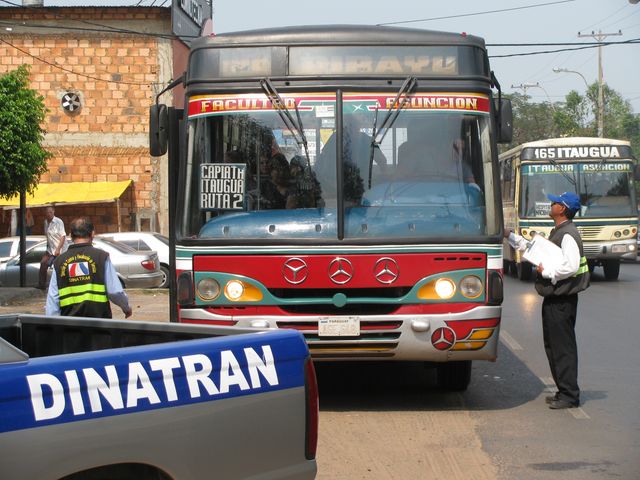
[[427, 175]]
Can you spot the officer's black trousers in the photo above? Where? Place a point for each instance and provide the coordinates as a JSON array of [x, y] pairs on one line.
[[558, 330]]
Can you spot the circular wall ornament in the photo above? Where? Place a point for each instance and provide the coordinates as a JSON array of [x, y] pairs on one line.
[[71, 102]]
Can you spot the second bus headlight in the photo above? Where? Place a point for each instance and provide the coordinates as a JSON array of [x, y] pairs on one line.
[[208, 289], [471, 286]]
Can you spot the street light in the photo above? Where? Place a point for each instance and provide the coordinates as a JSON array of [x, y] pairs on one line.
[[564, 70]]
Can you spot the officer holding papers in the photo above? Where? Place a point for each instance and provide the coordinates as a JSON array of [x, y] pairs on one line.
[[562, 273]]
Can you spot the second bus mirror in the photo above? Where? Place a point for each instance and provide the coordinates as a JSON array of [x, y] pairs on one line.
[[636, 173], [158, 130], [505, 121]]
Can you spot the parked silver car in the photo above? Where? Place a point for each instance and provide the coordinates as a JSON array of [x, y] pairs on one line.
[[10, 246], [135, 269], [145, 242]]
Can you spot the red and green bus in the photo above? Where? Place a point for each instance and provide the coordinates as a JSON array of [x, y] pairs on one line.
[[342, 181]]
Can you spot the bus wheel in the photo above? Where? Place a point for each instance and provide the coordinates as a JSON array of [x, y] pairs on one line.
[[454, 376], [524, 271], [611, 269]]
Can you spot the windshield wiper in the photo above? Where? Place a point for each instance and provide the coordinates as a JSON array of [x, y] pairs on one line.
[[572, 180], [280, 107], [398, 104]]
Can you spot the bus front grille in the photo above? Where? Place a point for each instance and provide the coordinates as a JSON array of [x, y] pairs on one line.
[[589, 233], [592, 249], [376, 339]]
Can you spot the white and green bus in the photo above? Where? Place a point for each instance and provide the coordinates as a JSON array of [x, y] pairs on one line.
[[600, 170]]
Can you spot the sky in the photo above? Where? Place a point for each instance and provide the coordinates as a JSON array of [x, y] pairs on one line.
[[501, 22]]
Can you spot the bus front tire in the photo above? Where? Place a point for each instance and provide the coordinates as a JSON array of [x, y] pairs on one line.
[[454, 376], [611, 269]]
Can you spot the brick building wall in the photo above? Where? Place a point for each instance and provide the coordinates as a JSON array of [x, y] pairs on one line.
[[116, 75]]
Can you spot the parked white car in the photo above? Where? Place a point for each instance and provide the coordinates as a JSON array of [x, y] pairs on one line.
[[144, 242], [10, 246]]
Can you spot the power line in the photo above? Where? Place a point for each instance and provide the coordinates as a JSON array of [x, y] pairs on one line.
[[487, 12], [584, 47]]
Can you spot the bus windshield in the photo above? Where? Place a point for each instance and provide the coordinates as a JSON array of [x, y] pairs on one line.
[[427, 175], [605, 189]]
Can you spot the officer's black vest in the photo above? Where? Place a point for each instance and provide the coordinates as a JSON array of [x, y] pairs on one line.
[[580, 280], [81, 282]]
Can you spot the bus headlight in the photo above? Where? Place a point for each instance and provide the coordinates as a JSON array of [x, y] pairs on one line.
[[445, 288], [626, 232], [471, 286], [617, 234], [233, 290], [242, 291], [208, 289]]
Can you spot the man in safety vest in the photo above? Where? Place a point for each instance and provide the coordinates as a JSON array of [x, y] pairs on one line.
[[559, 284], [84, 279]]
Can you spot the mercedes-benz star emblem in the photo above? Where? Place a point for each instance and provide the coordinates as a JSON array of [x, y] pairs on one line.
[[443, 338], [386, 270], [295, 270], [340, 270]]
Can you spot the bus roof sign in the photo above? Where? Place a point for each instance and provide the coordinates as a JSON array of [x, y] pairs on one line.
[[583, 152], [213, 62]]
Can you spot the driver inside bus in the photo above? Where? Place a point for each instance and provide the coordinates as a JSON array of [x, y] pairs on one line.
[[356, 156], [428, 152]]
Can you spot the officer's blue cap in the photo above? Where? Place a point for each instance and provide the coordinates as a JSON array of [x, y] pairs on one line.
[[568, 199]]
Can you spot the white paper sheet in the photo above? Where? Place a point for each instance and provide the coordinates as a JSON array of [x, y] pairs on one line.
[[541, 250]]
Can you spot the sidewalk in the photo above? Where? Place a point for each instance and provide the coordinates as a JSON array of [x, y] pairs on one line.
[[13, 295]]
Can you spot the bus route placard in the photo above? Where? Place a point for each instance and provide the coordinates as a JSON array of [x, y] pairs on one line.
[[222, 186]]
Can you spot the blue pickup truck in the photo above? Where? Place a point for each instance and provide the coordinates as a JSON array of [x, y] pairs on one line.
[[95, 399]]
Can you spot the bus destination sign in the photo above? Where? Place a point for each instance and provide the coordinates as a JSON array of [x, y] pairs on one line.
[[222, 186], [577, 152]]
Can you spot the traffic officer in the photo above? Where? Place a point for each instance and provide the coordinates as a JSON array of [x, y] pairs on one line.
[[559, 284], [84, 279]]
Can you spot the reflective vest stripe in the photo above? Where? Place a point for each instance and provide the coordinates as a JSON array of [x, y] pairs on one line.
[[584, 268], [89, 287], [91, 297]]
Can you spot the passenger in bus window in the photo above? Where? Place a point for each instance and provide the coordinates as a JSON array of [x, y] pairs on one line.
[[305, 188], [233, 156], [277, 189]]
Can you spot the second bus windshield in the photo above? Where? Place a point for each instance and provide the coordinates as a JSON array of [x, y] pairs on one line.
[[605, 189], [428, 175]]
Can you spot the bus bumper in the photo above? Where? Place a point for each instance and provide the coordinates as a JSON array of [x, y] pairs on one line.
[[621, 249], [469, 335]]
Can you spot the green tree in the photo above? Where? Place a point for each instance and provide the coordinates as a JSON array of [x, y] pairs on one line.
[[22, 158]]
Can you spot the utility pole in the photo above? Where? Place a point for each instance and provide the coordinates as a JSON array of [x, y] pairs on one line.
[[525, 86], [600, 38]]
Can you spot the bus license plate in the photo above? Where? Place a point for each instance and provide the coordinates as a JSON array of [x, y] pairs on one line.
[[339, 327]]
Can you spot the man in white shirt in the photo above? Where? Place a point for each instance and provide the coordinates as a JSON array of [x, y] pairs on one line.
[[56, 235], [559, 284]]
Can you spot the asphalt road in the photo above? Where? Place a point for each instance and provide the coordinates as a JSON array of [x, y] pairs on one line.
[[391, 421]]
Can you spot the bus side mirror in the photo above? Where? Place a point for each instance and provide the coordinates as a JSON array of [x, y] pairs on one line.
[[158, 130], [636, 173], [505, 121]]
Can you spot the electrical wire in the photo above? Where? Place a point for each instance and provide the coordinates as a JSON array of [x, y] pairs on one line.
[[68, 70], [487, 12]]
